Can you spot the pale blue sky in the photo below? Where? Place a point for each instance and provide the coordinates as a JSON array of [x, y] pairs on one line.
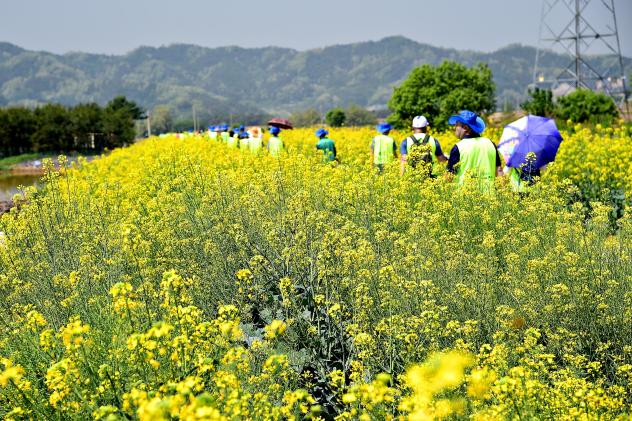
[[119, 26]]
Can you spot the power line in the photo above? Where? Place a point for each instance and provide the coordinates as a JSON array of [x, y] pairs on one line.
[[567, 24]]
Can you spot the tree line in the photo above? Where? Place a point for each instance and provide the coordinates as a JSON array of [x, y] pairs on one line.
[[58, 128], [579, 106]]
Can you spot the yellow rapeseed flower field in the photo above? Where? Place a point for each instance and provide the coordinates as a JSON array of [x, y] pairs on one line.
[[180, 278]]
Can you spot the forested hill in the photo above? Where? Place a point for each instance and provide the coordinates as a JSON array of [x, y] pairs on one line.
[[239, 80]]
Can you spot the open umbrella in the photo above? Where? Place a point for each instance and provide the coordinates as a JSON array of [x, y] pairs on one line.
[[281, 123], [530, 134]]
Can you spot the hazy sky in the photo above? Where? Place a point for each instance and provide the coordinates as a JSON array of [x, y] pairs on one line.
[[119, 26]]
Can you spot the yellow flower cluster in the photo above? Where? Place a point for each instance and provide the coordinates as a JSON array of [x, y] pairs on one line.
[[181, 279]]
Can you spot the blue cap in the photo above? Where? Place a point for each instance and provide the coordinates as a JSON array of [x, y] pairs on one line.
[[243, 135], [274, 130], [224, 127], [321, 132], [241, 128], [384, 127], [470, 119]]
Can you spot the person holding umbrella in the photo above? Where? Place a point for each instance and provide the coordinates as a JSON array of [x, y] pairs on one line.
[[474, 155], [326, 145], [528, 145], [383, 147]]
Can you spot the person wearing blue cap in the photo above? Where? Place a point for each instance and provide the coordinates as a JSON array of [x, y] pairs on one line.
[[233, 141], [474, 155], [383, 147], [326, 145], [224, 135], [275, 144], [425, 149], [213, 132]]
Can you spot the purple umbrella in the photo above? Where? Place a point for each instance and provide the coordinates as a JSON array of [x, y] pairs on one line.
[[530, 134]]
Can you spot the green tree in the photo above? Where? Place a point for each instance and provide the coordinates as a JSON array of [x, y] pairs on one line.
[[358, 116], [540, 103], [120, 103], [336, 117], [87, 126], [585, 105], [440, 91], [161, 119], [305, 118], [53, 129], [118, 121], [17, 125]]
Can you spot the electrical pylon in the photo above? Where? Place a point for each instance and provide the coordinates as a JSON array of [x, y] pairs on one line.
[[571, 25]]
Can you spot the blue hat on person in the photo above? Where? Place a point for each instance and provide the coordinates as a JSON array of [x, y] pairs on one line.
[[274, 130], [243, 135], [321, 132], [470, 119], [224, 127], [384, 127]]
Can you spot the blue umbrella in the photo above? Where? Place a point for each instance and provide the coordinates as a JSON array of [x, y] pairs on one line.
[[530, 134]]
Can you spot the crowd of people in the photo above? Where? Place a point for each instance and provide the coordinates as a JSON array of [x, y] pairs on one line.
[[472, 157]]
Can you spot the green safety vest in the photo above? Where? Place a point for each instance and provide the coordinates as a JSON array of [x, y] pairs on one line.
[[233, 142], [382, 149], [477, 160], [224, 136], [255, 144], [275, 146], [328, 147]]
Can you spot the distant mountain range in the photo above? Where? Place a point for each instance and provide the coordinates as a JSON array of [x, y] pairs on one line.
[[233, 80]]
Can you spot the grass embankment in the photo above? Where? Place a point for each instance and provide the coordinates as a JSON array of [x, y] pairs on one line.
[[10, 161]]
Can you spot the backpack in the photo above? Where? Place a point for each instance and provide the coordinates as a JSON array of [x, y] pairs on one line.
[[420, 151]]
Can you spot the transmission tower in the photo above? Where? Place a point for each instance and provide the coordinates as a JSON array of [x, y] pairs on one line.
[[573, 27]]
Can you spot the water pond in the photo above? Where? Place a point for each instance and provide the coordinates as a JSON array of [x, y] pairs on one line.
[[10, 181]]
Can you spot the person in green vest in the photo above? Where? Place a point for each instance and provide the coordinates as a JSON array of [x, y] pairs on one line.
[[520, 179], [213, 132], [428, 149], [383, 147], [474, 156], [275, 144], [326, 145], [224, 134], [255, 141], [233, 141]]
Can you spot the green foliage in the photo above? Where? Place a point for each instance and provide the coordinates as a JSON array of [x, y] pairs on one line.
[[56, 128], [358, 116], [16, 127], [585, 105], [125, 107], [309, 117], [440, 91], [336, 117], [540, 103], [87, 126], [162, 119], [53, 130]]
